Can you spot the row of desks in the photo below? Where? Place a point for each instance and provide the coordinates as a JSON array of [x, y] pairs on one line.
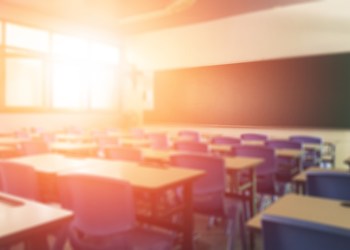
[[147, 179]]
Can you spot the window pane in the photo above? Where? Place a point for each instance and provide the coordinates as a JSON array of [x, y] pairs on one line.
[[69, 85], [69, 47], [103, 87], [26, 38], [104, 53], [0, 32], [24, 82]]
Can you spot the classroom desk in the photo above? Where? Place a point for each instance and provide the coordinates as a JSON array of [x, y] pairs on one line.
[[22, 219], [47, 167], [306, 208], [149, 179], [154, 181], [300, 179], [11, 141], [75, 148], [74, 137], [233, 165], [134, 142]]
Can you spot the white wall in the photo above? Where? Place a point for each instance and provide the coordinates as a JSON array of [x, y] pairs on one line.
[[318, 27]]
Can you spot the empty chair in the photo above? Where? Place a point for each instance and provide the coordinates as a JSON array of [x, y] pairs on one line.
[[334, 185], [312, 151], [104, 215], [191, 146], [32, 147], [281, 233], [123, 153], [190, 135], [254, 137], [287, 167], [158, 140], [209, 190], [225, 140], [265, 171], [19, 179]]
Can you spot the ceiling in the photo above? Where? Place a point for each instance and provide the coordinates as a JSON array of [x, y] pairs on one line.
[[136, 16]]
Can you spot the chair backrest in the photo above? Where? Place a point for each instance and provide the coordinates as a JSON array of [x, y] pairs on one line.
[[138, 133], [32, 147], [254, 136], [280, 233], [101, 206], [123, 153], [306, 139], [284, 144], [268, 154], [225, 140], [191, 146], [159, 140], [334, 185], [209, 189], [19, 179], [190, 135]]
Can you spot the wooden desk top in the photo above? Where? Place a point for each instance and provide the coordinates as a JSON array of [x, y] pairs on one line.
[[23, 217], [301, 177], [11, 141], [240, 162], [138, 175], [49, 163], [73, 137], [231, 162], [307, 208], [72, 146]]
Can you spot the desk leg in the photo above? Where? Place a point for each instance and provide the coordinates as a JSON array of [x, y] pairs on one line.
[[253, 192], [188, 222]]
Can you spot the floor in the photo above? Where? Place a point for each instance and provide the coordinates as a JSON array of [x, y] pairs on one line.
[[205, 239]]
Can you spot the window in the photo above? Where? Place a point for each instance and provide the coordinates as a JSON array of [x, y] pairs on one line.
[[24, 82], [46, 70], [26, 38], [69, 85], [103, 86]]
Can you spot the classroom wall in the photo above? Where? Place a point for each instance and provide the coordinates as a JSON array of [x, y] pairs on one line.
[[319, 27]]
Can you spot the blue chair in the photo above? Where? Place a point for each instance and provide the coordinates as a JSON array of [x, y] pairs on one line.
[[312, 155], [209, 190], [191, 146], [190, 135], [19, 179], [333, 185], [287, 167], [280, 233], [266, 171], [104, 215], [123, 153]]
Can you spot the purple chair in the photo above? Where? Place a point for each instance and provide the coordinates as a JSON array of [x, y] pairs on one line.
[[33, 147], [312, 155], [287, 167], [159, 141], [104, 215], [191, 146], [190, 134], [253, 137], [226, 140], [123, 153], [19, 179], [209, 190]]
